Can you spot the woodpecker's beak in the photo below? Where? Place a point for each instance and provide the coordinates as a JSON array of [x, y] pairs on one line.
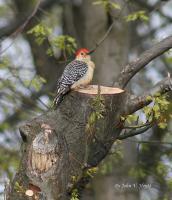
[[90, 52]]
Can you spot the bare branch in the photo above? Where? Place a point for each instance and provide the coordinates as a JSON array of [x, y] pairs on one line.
[[139, 102], [137, 126], [134, 132], [98, 43], [135, 66], [20, 25], [13, 28]]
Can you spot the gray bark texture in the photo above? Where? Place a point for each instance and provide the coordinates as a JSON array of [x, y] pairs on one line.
[[65, 143]]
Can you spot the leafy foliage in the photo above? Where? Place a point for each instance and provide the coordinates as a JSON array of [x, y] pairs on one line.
[[19, 188], [4, 62], [41, 32], [107, 4], [139, 15], [65, 43], [75, 195], [154, 113], [92, 171], [98, 108], [158, 110]]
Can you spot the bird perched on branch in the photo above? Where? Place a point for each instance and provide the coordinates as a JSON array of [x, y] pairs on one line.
[[77, 73]]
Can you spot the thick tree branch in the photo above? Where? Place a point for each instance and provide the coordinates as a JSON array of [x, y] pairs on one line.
[[135, 66], [139, 102]]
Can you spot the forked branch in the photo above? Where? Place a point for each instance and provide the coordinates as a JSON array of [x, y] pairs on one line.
[[139, 102], [135, 66]]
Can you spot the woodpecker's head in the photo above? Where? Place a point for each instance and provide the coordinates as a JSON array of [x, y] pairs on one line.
[[83, 55]]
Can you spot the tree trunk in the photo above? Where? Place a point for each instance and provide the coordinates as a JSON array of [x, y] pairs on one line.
[[60, 146]]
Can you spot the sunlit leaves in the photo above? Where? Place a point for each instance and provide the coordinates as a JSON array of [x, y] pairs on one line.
[[98, 107], [92, 171], [74, 195], [4, 62], [41, 32], [132, 118], [154, 113], [65, 43], [19, 188], [160, 106], [107, 4], [139, 15]]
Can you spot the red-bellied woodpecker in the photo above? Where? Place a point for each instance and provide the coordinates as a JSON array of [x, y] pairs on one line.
[[77, 73]]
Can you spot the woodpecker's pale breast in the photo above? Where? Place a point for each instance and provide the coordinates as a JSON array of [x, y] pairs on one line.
[[86, 78]]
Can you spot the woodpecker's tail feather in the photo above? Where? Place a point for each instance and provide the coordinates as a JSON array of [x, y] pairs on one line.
[[57, 100], [59, 97]]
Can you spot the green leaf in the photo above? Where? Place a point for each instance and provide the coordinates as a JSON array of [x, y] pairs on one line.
[[97, 3], [74, 195], [65, 43], [162, 125], [115, 5], [49, 52], [35, 83], [147, 110], [4, 63], [132, 118], [41, 32], [107, 4], [43, 80], [139, 15], [149, 98]]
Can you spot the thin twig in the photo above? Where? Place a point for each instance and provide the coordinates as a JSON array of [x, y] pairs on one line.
[[134, 132], [21, 27], [108, 31], [138, 126]]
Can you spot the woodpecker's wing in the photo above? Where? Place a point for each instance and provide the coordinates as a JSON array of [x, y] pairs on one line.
[[72, 73]]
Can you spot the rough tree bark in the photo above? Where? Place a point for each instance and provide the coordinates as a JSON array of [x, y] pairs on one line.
[[60, 146], [64, 143]]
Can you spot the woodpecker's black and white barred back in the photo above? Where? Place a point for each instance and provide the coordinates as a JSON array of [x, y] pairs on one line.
[[72, 73], [77, 73]]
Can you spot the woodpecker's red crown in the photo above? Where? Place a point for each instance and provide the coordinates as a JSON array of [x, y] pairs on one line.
[[82, 50]]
